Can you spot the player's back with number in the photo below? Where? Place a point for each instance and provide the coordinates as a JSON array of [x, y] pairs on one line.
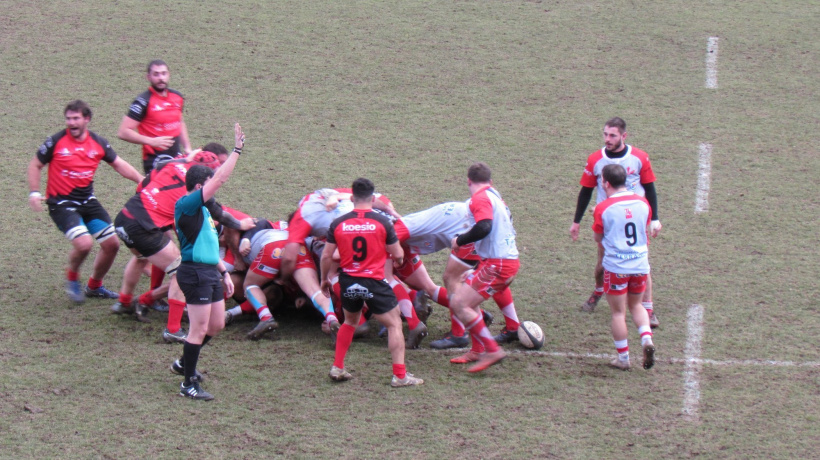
[[623, 219], [361, 236]]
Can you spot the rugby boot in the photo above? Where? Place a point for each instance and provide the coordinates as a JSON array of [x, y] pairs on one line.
[[648, 355], [409, 380], [415, 336], [101, 293], [262, 328], [487, 359], [450, 341], [506, 336], [338, 374]]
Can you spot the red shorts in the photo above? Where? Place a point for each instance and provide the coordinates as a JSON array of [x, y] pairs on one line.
[[269, 260], [412, 262], [467, 255], [617, 284], [493, 275]]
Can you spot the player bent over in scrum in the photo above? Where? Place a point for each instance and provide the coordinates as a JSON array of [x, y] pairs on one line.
[[620, 228]]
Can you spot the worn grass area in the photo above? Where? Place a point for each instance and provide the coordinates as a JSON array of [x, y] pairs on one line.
[[409, 94]]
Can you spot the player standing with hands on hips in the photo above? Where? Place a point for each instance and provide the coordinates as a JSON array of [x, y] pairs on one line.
[[620, 228], [202, 274], [364, 239]]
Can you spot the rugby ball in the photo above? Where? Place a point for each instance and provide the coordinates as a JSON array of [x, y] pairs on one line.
[[530, 335]]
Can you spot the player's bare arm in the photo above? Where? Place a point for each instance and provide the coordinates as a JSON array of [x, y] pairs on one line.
[[324, 266], [35, 198], [223, 172], [396, 253], [184, 140], [126, 170]]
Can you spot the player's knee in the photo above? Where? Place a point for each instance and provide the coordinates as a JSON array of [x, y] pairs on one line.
[[83, 243], [109, 245]]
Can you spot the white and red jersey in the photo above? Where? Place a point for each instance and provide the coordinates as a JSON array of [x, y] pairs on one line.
[[312, 218], [622, 219], [262, 239], [486, 203], [636, 163], [433, 229]]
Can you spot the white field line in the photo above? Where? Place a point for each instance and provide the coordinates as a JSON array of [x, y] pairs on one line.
[[608, 357], [704, 178], [711, 62], [692, 366]]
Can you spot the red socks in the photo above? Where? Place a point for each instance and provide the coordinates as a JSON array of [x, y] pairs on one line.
[[343, 340], [175, 310]]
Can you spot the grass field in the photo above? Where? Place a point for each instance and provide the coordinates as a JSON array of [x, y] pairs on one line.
[[409, 94]]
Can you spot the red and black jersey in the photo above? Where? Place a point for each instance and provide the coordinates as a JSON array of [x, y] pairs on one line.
[[361, 236], [158, 115], [153, 205], [72, 164]]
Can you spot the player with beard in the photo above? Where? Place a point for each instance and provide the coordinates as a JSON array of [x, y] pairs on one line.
[[73, 156], [640, 179], [154, 119]]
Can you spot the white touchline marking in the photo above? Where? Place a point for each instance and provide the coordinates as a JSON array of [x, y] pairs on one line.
[[693, 365], [704, 178], [606, 356], [711, 62]]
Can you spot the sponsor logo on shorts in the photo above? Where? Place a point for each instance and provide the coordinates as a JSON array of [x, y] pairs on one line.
[[267, 269], [357, 291]]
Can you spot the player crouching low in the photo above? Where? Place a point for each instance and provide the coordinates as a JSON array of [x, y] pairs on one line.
[[620, 228]]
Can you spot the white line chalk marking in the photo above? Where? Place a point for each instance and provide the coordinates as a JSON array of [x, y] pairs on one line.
[[693, 365], [704, 178], [711, 62]]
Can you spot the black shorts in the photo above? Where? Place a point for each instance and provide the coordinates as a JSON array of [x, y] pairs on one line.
[[201, 283], [77, 219], [356, 291], [135, 236]]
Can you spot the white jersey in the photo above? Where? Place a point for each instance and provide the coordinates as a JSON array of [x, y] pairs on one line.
[[486, 203], [262, 239], [433, 229], [623, 218], [636, 163]]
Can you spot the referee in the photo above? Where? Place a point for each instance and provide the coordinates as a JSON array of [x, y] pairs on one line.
[[201, 274]]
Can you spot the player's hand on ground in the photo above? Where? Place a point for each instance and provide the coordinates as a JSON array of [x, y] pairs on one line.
[[238, 136], [161, 142], [655, 228], [574, 230], [35, 202]]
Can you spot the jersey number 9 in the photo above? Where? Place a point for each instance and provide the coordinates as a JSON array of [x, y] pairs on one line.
[[360, 249]]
